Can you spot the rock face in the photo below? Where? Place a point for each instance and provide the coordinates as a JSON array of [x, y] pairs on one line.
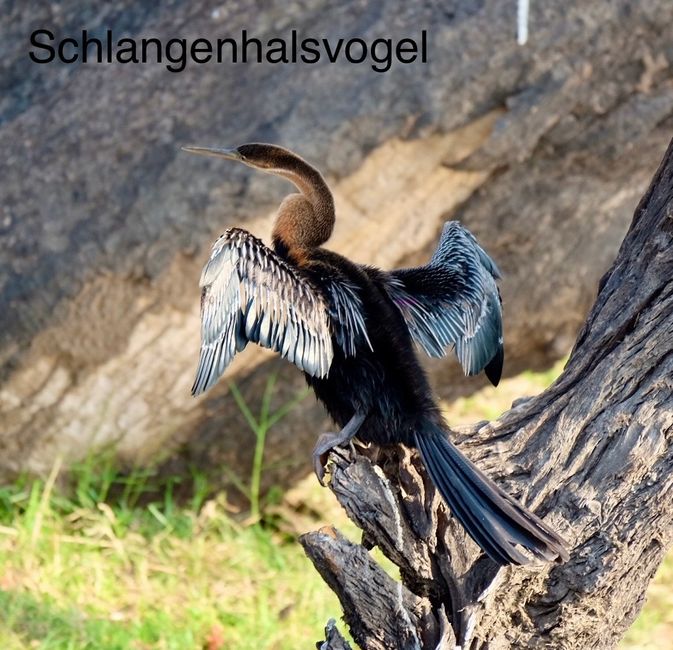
[[541, 150]]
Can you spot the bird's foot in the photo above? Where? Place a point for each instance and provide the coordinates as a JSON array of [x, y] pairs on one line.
[[326, 442], [331, 439]]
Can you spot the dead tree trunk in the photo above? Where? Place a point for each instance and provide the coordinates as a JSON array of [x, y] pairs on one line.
[[592, 455]]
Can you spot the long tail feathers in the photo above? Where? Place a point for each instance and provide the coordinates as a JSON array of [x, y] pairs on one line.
[[494, 520]]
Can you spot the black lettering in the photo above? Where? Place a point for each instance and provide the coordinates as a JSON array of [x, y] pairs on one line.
[[61, 50], [310, 51], [127, 52], [247, 41], [180, 62], [381, 52], [294, 46], [280, 48], [411, 48], [86, 41], [145, 43], [363, 50], [201, 46], [221, 42], [42, 46], [386, 59], [332, 56]]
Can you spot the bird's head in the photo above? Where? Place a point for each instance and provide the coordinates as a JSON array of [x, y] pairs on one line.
[[302, 221], [265, 157]]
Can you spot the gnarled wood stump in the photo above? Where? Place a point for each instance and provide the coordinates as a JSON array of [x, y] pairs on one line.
[[592, 455]]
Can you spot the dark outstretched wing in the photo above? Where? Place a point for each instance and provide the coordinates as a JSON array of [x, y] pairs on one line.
[[248, 293], [454, 301]]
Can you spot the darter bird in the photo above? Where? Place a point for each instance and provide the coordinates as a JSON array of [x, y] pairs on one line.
[[352, 328]]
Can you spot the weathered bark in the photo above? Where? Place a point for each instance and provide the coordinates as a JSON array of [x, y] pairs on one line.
[[593, 455], [541, 150]]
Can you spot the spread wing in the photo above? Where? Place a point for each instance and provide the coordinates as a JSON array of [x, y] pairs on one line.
[[454, 301], [248, 293]]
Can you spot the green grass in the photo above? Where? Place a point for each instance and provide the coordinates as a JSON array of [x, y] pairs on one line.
[[112, 561], [83, 573], [653, 629], [259, 426]]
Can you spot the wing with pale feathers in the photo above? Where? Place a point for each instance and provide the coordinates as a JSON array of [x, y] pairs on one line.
[[347, 316], [248, 293], [454, 302]]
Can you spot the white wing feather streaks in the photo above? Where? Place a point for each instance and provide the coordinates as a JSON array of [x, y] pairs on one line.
[[453, 301], [346, 315], [250, 294]]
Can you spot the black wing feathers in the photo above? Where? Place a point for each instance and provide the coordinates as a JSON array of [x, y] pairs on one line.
[[454, 301]]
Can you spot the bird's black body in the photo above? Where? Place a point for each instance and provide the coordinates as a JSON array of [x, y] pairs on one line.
[[384, 381], [354, 331]]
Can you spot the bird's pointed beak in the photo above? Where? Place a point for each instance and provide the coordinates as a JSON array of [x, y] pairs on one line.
[[216, 152]]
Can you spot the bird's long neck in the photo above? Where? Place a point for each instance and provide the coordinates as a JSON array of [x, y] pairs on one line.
[[304, 221]]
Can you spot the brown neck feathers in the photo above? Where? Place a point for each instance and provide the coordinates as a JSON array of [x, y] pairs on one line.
[[304, 221]]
